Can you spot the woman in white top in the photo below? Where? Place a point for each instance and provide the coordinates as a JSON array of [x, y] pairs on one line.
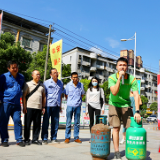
[[93, 95]]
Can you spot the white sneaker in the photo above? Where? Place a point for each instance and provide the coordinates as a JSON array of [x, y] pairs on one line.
[[122, 141]]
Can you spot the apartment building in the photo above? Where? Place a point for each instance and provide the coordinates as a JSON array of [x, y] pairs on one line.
[[89, 64], [32, 36]]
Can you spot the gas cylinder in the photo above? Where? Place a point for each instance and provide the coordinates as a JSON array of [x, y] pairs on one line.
[[100, 139], [135, 141]]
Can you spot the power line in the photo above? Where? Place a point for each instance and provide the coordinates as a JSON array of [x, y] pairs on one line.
[[44, 24]]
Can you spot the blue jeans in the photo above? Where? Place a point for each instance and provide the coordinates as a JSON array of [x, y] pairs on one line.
[[52, 112], [69, 114], [15, 112]]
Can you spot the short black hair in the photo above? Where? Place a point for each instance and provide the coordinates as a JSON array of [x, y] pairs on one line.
[[74, 73], [9, 63], [123, 60], [52, 69]]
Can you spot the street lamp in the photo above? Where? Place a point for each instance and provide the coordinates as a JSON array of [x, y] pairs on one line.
[[132, 38]]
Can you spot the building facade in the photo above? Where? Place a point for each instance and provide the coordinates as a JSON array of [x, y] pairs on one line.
[[32, 36], [89, 64]]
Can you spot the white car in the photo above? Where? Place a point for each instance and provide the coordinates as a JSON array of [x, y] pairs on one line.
[[151, 118]]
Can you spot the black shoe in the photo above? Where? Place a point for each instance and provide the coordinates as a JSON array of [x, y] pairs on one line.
[[21, 144], [5, 144], [45, 141], [27, 142], [117, 156], [37, 142]]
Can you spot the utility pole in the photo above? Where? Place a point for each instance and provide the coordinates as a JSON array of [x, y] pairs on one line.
[[49, 36]]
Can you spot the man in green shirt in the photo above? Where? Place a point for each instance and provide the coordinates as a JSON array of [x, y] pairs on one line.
[[119, 101]]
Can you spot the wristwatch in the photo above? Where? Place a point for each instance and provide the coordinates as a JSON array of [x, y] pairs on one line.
[[137, 111]]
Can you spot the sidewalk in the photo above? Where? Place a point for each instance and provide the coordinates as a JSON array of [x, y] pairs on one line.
[[73, 151]]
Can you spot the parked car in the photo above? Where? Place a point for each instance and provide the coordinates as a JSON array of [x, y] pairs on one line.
[[151, 118]]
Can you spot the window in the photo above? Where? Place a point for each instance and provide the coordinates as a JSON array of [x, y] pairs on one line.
[[70, 58], [41, 46], [100, 72], [79, 66], [86, 69], [26, 42], [99, 63], [86, 59]]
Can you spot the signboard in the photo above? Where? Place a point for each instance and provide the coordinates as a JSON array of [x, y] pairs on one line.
[[158, 89], [56, 56]]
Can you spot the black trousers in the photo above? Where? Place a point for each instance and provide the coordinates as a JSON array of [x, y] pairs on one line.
[[91, 112], [32, 115]]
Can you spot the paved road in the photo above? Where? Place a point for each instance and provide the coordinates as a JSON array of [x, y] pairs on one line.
[[73, 151]]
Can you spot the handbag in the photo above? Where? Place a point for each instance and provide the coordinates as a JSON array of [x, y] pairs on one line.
[[101, 99], [28, 95]]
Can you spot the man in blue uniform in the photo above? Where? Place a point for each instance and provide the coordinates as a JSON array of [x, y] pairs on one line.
[[74, 92], [11, 85], [53, 90]]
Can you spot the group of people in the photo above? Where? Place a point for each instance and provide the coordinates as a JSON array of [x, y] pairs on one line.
[[38, 99], [46, 99]]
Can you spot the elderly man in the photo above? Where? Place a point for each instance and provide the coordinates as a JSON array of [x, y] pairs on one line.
[[11, 85], [119, 101], [53, 89], [34, 101]]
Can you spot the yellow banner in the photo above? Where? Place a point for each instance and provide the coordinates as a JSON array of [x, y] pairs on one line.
[[56, 56]]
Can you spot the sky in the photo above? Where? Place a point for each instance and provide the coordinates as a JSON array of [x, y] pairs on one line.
[[103, 22]]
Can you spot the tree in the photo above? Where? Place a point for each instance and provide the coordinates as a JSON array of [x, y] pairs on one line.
[[9, 50], [38, 62], [66, 72], [154, 106], [85, 84], [144, 102], [106, 91]]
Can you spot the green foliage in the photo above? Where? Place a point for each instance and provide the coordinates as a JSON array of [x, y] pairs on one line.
[[106, 91], [66, 72], [144, 100], [154, 106], [143, 106], [38, 63], [9, 50], [144, 103], [85, 84], [143, 113]]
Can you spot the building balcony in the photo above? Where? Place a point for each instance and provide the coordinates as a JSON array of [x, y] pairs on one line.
[[99, 76], [93, 55], [142, 88], [84, 63], [100, 67], [109, 69], [142, 81], [93, 69], [142, 70], [90, 77], [138, 77], [148, 86], [79, 61], [85, 74]]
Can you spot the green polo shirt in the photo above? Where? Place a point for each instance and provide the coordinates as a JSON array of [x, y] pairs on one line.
[[122, 98]]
